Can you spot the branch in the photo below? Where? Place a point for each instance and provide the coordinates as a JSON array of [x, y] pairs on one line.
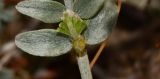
[[103, 45]]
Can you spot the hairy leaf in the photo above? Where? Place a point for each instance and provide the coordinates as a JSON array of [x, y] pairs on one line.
[[46, 11], [46, 42], [87, 8], [101, 25]]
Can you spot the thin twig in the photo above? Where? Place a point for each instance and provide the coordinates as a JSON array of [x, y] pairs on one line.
[[104, 43], [98, 54]]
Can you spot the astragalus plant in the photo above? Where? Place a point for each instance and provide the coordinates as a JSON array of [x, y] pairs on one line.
[[82, 23]]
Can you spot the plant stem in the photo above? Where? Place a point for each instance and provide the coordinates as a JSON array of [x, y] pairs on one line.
[[83, 63], [98, 53], [69, 4]]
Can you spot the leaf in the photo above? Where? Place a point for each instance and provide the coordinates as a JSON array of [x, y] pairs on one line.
[[63, 28], [46, 11], [46, 42], [73, 22], [101, 25], [80, 25], [87, 8]]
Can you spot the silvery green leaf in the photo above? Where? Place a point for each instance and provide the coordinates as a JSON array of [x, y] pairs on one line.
[[46, 42], [46, 11], [87, 8], [101, 25]]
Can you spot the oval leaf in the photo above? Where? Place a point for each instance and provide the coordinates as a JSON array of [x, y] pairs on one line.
[[46, 11], [46, 42], [87, 8], [101, 25]]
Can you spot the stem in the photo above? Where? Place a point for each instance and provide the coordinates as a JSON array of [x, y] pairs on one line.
[[98, 54], [83, 63], [69, 4], [78, 43]]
